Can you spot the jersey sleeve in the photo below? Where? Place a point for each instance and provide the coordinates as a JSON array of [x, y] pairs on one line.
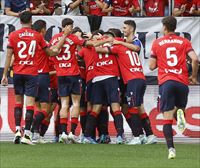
[[137, 43], [42, 42], [153, 51], [188, 47]]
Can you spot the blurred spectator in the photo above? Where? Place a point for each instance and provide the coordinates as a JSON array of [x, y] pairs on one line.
[[57, 9], [125, 7], [186, 7], [42, 7], [155, 7], [15, 7], [97, 7], [71, 7]]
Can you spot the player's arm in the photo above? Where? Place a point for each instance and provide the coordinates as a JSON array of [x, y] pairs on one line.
[[74, 4], [101, 42], [4, 80], [52, 72], [103, 50], [152, 63], [130, 46], [195, 66]]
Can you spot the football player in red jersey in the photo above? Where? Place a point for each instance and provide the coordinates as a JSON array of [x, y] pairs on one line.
[[186, 8], [125, 7], [168, 54], [24, 44], [69, 80], [105, 89], [42, 98]]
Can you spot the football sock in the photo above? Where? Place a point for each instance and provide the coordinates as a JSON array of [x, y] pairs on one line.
[[136, 122], [38, 120], [83, 120], [44, 127], [146, 124], [91, 124], [102, 122], [118, 120], [29, 117], [63, 125], [74, 123], [18, 114], [168, 132]]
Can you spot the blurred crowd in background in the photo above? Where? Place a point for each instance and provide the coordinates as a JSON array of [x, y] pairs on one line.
[[129, 8]]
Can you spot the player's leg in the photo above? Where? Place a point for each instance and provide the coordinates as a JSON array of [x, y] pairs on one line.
[[30, 92], [134, 93], [113, 98], [43, 99], [19, 101], [167, 106], [180, 103]]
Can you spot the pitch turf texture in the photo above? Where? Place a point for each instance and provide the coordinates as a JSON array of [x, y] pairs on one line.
[[97, 156]]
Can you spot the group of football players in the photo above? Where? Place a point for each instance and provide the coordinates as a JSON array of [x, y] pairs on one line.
[[88, 75]]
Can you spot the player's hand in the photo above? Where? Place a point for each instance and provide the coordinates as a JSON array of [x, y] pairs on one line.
[[183, 8], [4, 81], [192, 9], [193, 80]]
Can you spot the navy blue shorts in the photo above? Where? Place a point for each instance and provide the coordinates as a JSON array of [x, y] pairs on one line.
[[54, 96], [83, 102], [25, 85], [122, 87], [43, 88], [135, 92], [68, 85], [106, 91], [88, 91], [173, 94]]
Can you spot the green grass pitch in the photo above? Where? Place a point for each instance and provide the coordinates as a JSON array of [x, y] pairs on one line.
[[97, 156]]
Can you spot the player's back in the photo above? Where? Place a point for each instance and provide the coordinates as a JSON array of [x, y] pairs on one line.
[[171, 52], [25, 43]]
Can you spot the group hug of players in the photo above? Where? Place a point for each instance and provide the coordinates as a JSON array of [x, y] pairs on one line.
[[87, 75]]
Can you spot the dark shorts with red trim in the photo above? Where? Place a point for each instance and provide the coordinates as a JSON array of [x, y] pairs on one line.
[[172, 94], [106, 91], [25, 85], [68, 85], [135, 90]]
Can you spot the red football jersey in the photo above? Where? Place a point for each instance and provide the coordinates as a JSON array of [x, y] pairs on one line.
[[66, 62], [129, 63], [121, 7], [179, 3], [150, 5], [53, 78], [88, 55], [94, 9], [171, 52], [43, 61], [105, 64], [25, 43]]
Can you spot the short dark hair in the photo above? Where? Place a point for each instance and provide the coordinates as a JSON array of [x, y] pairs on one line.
[[25, 17], [170, 23], [39, 25], [130, 23], [77, 29], [97, 32], [66, 22], [116, 32]]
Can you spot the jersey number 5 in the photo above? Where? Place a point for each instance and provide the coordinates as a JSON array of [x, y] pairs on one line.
[[171, 58], [23, 46]]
